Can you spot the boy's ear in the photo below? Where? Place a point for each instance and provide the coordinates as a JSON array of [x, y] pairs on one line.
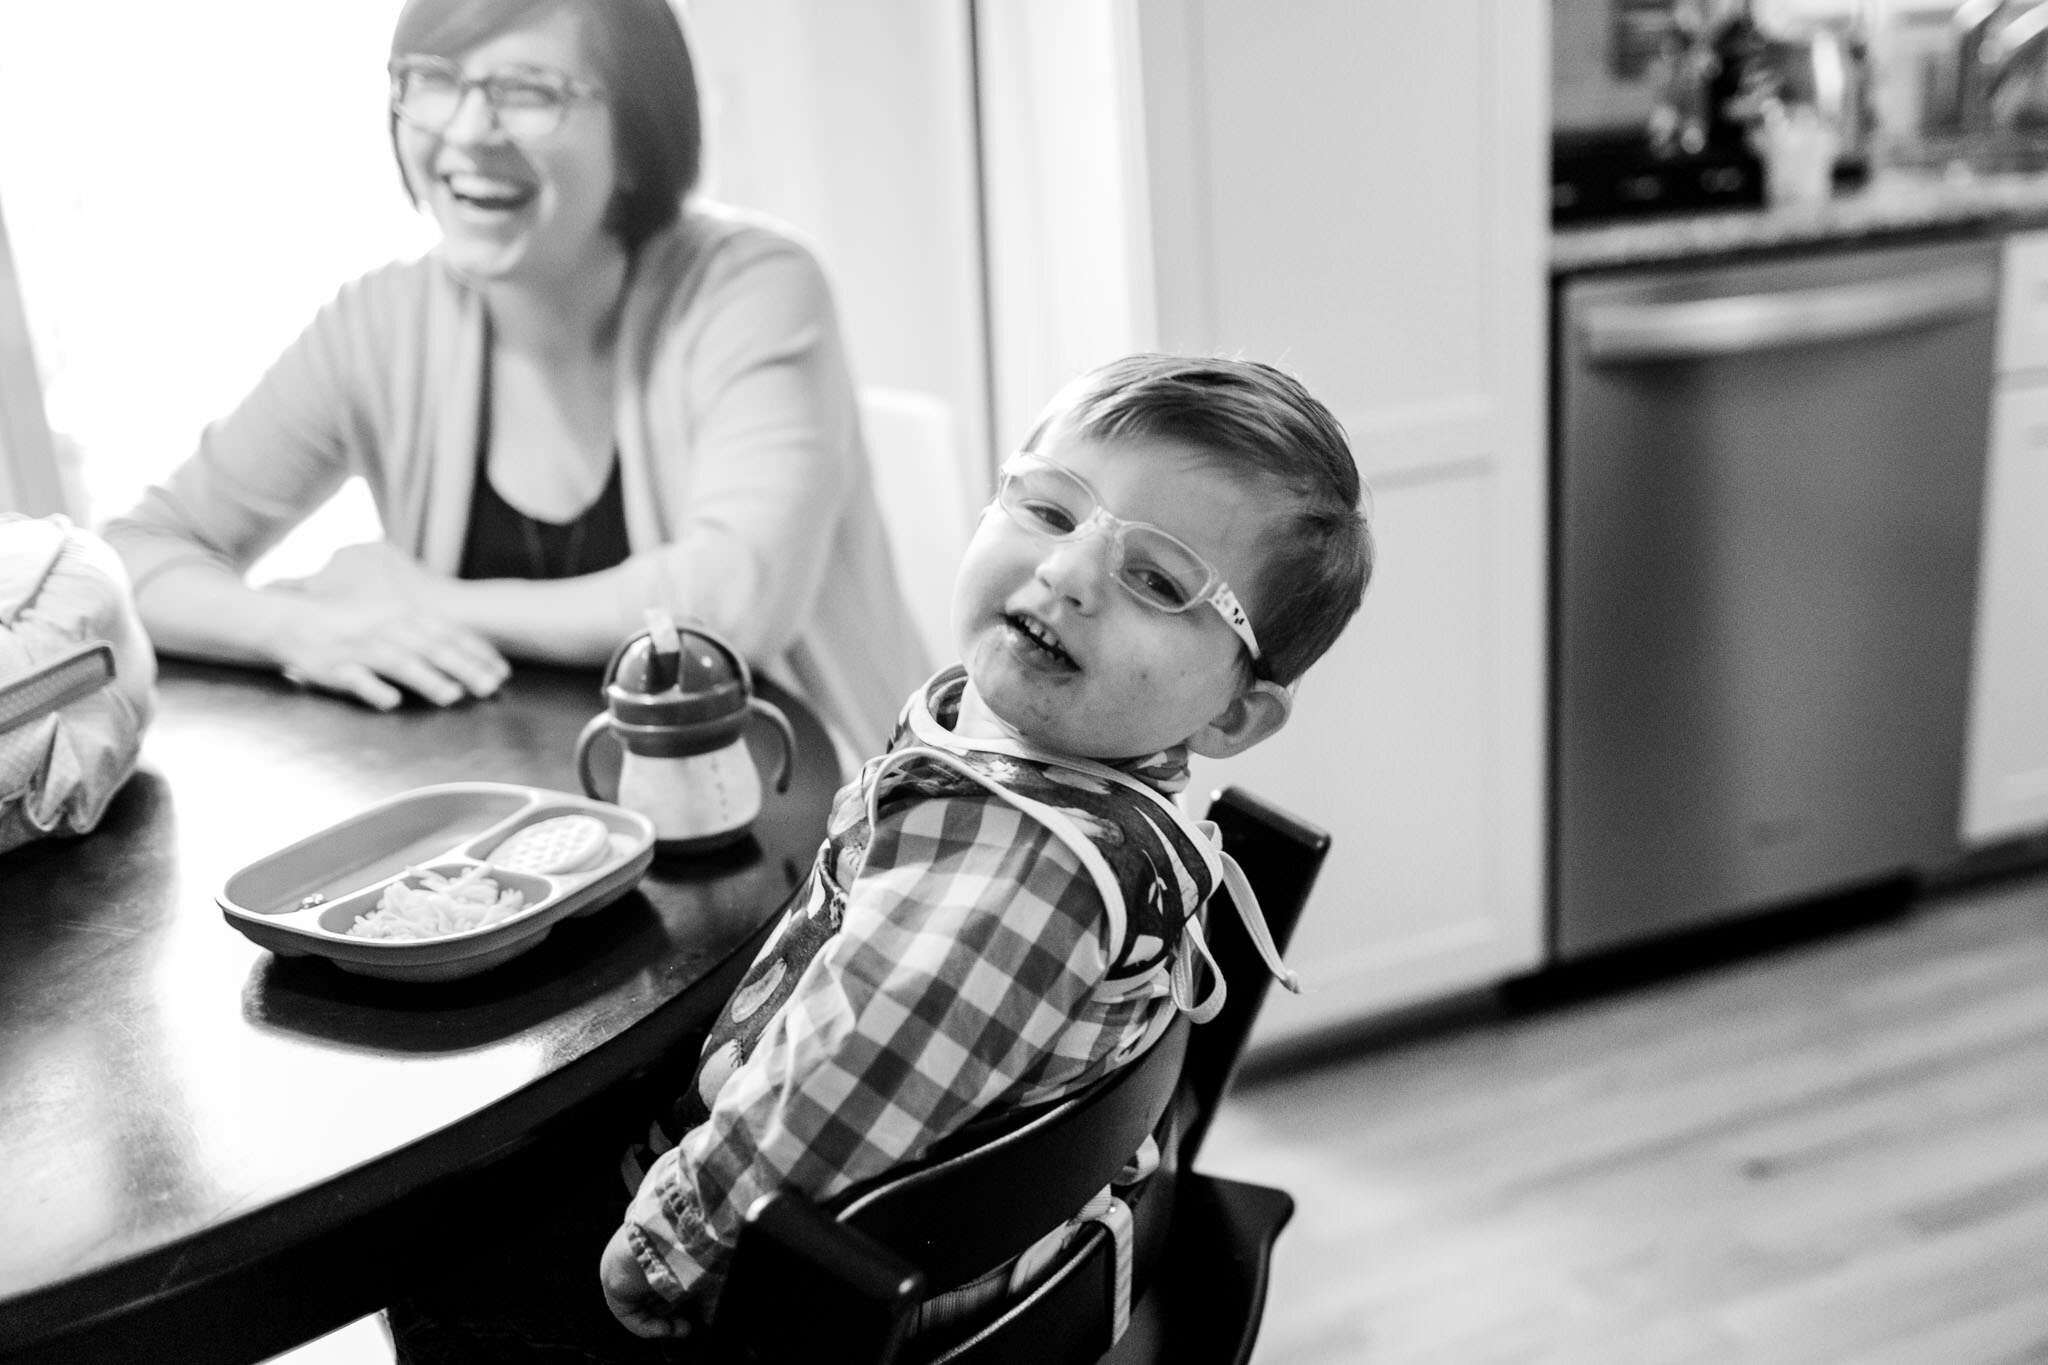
[[1254, 714]]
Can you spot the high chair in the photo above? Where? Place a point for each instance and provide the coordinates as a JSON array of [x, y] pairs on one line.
[[840, 1283]]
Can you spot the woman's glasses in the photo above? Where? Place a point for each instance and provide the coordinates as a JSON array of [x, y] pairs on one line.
[[1151, 565], [527, 102]]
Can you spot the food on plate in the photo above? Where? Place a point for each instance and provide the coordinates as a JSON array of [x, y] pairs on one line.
[[426, 904], [567, 843]]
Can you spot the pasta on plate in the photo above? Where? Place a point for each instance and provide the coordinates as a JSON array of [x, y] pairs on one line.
[[426, 904]]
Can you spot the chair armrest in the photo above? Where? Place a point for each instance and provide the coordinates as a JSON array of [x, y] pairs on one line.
[[805, 1287]]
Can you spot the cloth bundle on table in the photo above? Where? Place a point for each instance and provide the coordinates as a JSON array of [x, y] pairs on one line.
[[77, 679]]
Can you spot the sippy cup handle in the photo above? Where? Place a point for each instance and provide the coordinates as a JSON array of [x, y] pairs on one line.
[[783, 732], [597, 724]]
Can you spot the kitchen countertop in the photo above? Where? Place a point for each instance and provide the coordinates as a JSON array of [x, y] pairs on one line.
[[1894, 201]]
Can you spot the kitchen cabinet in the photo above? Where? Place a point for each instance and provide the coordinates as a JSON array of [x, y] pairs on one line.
[[2005, 776], [1355, 192]]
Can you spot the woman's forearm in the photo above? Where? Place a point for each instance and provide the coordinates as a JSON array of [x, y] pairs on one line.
[[199, 611], [368, 645], [572, 621]]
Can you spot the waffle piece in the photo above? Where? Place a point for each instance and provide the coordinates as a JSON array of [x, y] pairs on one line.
[[566, 843]]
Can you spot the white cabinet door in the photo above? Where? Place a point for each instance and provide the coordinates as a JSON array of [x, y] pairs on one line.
[[1396, 747], [1355, 192], [2005, 777], [2023, 306]]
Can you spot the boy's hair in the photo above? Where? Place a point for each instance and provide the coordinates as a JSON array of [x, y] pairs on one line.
[[1258, 421]]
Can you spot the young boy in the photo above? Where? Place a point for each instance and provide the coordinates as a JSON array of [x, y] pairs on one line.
[[1003, 909]]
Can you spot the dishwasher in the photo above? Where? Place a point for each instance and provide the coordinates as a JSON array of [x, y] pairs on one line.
[[1769, 478]]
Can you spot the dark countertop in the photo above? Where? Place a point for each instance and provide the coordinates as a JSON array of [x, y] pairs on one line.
[[1893, 203]]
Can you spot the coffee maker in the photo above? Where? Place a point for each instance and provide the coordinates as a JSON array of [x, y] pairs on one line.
[[1688, 149], [1703, 77]]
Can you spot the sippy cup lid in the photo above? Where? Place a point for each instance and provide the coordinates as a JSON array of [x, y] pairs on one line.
[[682, 676]]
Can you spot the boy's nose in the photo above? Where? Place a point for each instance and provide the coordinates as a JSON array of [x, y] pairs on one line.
[[1078, 568]]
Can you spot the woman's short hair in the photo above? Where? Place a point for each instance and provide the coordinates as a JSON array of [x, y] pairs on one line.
[[642, 59]]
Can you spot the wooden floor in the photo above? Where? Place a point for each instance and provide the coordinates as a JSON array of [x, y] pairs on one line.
[[1833, 1152], [1836, 1151]]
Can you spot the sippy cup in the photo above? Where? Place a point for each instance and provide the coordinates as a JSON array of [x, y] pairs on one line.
[[676, 703]]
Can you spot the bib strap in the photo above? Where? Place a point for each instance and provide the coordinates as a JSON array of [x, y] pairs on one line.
[[1249, 913]]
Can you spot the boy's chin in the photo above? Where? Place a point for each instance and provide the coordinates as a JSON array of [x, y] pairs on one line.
[[998, 703], [984, 718]]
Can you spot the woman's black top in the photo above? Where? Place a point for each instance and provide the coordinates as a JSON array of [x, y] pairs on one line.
[[504, 542]]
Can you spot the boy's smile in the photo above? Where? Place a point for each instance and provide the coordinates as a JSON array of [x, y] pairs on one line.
[[1062, 656]]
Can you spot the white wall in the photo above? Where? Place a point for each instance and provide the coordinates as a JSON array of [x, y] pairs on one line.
[[29, 478], [854, 122], [1069, 228], [1353, 191], [181, 200]]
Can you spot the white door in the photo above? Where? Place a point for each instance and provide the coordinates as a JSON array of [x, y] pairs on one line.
[[1357, 193], [2005, 773]]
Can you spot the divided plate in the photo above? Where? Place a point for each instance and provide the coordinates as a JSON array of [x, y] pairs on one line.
[[301, 899]]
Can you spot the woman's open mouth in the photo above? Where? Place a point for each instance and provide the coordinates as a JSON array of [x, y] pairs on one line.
[[487, 194]]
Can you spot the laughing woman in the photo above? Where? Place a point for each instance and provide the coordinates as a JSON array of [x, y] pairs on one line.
[[593, 396]]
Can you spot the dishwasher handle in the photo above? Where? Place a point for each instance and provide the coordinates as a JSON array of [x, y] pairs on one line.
[[1621, 333]]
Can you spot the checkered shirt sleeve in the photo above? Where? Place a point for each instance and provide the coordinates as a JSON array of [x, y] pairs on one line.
[[964, 976]]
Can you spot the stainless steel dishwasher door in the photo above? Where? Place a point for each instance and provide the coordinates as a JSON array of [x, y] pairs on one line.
[[1769, 480]]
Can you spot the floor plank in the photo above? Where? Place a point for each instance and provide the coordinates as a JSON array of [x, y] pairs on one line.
[[1836, 1151]]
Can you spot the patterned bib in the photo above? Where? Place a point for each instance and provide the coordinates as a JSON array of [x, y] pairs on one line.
[[1153, 868]]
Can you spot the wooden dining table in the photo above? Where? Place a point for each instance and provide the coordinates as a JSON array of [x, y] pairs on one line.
[[211, 1153]]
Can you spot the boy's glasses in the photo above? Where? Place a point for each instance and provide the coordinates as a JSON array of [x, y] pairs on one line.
[[1153, 566], [527, 102]]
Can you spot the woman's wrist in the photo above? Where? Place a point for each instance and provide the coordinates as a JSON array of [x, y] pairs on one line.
[[202, 611], [573, 621], [440, 594], [284, 619]]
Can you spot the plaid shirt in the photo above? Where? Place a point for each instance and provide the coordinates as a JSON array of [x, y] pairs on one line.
[[969, 972]]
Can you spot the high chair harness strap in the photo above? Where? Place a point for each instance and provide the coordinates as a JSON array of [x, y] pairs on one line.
[[1202, 835], [1051, 817]]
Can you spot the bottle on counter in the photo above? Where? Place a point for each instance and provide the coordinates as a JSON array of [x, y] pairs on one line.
[[1742, 81]]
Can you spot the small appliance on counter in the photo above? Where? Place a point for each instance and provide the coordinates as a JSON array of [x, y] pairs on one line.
[[1708, 103], [1827, 69], [1617, 174], [1692, 152]]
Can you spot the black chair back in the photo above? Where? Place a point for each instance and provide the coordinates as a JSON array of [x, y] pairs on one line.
[[840, 1283], [880, 1248], [962, 1216]]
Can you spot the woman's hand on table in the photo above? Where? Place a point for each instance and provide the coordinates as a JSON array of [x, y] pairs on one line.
[[365, 626]]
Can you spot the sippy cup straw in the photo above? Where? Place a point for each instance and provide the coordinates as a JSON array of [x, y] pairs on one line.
[[667, 643]]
